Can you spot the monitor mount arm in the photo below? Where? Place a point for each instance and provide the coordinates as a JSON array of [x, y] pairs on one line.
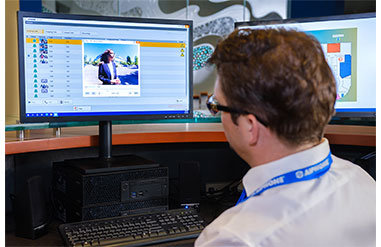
[[105, 139]]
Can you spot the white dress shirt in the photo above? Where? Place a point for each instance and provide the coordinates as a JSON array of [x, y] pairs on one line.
[[336, 210], [111, 68]]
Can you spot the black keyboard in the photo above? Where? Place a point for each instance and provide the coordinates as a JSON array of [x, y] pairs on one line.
[[134, 230]]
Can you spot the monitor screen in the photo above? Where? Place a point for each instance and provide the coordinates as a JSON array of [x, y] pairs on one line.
[[349, 44], [92, 68]]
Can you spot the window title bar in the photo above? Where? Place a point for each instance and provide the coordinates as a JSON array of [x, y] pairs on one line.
[[111, 23]]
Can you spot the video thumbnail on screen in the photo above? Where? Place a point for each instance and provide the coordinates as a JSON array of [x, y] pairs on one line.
[[113, 63]]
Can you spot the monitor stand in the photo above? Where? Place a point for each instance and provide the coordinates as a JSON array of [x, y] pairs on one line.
[[106, 162]]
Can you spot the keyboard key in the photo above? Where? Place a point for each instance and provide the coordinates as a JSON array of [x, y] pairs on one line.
[[182, 229], [114, 241], [192, 228], [138, 236]]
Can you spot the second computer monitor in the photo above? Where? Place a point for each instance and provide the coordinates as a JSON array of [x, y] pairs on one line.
[[349, 44]]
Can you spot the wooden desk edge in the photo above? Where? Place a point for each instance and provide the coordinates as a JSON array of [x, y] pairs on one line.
[[36, 145], [351, 135], [343, 135]]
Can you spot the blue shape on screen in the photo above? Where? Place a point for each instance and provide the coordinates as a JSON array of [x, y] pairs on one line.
[[131, 79], [345, 67]]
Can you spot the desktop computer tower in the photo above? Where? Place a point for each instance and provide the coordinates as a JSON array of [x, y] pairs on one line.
[[82, 190]]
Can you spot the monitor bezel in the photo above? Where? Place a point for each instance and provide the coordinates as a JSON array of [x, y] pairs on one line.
[[340, 113], [22, 96]]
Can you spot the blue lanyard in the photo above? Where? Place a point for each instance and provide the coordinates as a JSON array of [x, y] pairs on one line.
[[307, 173]]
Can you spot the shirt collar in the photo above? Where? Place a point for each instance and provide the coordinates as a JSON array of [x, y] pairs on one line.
[[259, 175]]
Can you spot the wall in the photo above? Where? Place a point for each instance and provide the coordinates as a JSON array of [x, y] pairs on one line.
[[11, 66]]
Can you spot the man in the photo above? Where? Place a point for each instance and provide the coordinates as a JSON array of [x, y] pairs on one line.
[[276, 94]]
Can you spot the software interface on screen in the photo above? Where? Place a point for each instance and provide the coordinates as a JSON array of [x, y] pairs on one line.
[[350, 50], [68, 71]]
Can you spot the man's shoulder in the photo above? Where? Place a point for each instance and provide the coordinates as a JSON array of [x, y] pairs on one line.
[[249, 220], [236, 226], [349, 170]]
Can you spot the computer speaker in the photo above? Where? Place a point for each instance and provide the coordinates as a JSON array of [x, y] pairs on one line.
[[31, 209], [189, 184]]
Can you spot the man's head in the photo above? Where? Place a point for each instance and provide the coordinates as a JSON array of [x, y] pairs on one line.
[[279, 76]]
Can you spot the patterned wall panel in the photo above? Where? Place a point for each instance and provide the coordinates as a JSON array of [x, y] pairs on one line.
[[213, 19]]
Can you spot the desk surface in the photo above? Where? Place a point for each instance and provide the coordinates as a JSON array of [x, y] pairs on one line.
[[79, 137]]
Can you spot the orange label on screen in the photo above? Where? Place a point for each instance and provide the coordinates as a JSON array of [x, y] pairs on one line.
[[332, 48]]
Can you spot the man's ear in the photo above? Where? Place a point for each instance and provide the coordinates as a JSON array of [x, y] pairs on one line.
[[253, 129]]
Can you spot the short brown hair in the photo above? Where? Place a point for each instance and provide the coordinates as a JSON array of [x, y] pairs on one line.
[[282, 77]]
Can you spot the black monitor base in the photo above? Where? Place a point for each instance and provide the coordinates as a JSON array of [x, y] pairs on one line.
[[106, 162]]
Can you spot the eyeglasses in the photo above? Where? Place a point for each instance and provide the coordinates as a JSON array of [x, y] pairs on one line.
[[214, 108]]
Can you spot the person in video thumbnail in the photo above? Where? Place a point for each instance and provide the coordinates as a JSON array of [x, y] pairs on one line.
[[107, 69]]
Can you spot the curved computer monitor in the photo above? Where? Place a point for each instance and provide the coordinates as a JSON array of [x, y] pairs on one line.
[[67, 75], [349, 43]]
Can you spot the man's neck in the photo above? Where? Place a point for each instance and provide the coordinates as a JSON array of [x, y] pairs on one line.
[[275, 149]]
